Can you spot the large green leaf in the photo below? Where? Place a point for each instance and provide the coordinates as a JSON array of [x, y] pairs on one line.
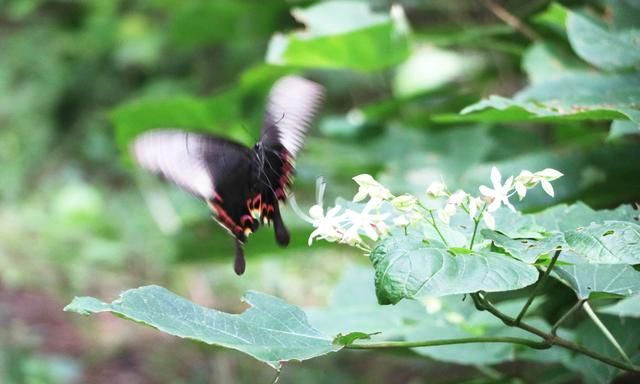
[[574, 96], [406, 267], [525, 249], [569, 217], [271, 330], [627, 307], [545, 61], [612, 242], [601, 46], [341, 34], [623, 127], [587, 279]]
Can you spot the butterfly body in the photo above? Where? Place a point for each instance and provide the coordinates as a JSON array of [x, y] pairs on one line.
[[242, 186]]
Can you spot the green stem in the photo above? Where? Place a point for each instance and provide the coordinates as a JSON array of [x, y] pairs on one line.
[[434, 343], [435, 226], [476, 221], [433, 222], [538, 286], [549, 339], [564, 317], [605, 331]]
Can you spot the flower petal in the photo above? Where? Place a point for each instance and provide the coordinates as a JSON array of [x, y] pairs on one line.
[[521, 190], [547, 187], [486, 191], [496, 177], [489, 221]]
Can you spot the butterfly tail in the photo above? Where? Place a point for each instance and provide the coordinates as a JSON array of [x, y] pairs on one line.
[[239, 263], [282, 235]]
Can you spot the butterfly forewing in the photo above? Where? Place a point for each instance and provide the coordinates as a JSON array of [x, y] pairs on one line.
[[188, 159], [292, 104]]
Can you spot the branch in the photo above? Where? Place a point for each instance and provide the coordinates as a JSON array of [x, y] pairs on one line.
[[434, 343], [549, 339], [564, 317], [503, 14], [538, 286]]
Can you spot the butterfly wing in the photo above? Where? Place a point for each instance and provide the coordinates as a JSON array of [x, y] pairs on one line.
[[292, 104], [215, 169]]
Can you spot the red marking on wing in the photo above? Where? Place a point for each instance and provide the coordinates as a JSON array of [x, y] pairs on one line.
[[225, 219]]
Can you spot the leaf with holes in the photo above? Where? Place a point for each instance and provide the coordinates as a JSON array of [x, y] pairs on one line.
[[572, 96], [613, 242], [408, 268], [527, 250], [271, 330], [588, 279]]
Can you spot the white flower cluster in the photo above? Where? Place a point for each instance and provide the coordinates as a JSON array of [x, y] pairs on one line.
[[490, 199], [348, 226]]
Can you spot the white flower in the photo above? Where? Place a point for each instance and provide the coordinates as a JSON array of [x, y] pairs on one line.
[[401, 221], [452, 205], [457, 197], [524, 181], [405, 203], [475, 203], [328, 227], [549, 174], [489, 221], [370, 187], [545, 176], [500, 193], [437, 189], [445, 213], [372, 225]]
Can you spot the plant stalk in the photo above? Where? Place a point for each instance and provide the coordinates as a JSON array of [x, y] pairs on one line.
[[484, 304], [538, 287], [434, 343], [564, 317], [605, 331], [476, 222]]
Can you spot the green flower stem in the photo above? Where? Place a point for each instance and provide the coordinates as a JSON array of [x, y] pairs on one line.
[[433, 222], [605, 331], [476, 222], [483, 304], [538, 286], [434, 343], [564, 317], [435, 226]]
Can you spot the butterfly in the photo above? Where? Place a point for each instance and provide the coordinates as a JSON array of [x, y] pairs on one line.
[[242, 186]]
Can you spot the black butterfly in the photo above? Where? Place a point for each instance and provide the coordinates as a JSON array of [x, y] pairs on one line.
[[241, 185]]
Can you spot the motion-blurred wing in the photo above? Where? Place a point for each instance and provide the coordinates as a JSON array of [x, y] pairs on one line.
[[185, 158], [291, 107]]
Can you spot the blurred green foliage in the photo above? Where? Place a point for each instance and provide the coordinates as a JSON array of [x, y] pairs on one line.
[[79, 79]]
